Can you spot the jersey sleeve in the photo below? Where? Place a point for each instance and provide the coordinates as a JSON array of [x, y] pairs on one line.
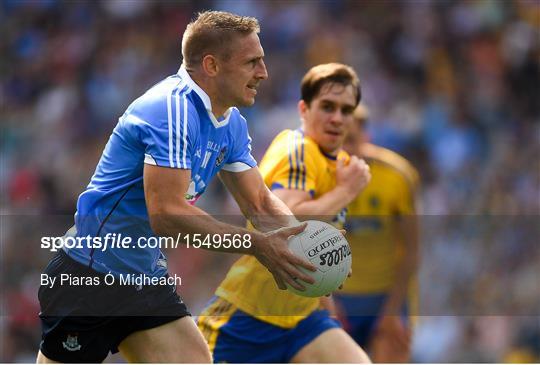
[[295, 165], [164, 129], [240, 158]]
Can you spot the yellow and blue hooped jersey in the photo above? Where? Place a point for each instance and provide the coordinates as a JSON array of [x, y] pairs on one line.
[[293, 161]]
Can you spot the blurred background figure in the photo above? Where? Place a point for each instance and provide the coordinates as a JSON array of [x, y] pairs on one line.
[[376, 303], [452, 86]]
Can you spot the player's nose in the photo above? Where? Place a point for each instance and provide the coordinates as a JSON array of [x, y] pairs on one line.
[[337, 117], [261, 72]]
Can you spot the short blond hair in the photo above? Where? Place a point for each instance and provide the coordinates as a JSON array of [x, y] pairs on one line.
[[212, 32]]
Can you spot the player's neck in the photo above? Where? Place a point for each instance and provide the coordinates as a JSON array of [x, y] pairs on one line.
[[218, 108]]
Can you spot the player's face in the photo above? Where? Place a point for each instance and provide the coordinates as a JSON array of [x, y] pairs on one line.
[[243, 72], [329, 116]]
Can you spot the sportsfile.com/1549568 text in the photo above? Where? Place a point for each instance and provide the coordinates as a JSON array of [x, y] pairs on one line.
[[119, 240]]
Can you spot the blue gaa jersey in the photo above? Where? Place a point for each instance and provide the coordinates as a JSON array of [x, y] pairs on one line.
[[170, 126]]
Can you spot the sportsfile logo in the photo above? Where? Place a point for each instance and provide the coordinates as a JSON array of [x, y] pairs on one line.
[[332, 241]]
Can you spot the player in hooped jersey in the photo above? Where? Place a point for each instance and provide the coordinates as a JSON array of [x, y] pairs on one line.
[[163, 152]]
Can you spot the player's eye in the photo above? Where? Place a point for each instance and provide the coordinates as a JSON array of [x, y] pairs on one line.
[[327, 107], [347, 110]]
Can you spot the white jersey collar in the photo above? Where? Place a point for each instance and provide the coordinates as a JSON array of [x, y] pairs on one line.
[[205, 98]]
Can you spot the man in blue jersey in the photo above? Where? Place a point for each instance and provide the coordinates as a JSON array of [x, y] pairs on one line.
[[162, 154]]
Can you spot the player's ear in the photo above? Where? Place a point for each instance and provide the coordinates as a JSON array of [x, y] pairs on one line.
[[302, 108], [210, 65]]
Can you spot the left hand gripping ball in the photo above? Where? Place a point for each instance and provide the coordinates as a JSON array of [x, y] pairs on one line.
[[326, 248]]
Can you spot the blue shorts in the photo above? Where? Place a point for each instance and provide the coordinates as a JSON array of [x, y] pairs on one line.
[[236, 337], [360, 313]]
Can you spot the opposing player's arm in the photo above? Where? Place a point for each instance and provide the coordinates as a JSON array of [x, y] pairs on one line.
[[350, 180], [170, 214], [302, 204]]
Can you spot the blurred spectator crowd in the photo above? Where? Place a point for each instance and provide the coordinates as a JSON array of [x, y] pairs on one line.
[[452, 85]]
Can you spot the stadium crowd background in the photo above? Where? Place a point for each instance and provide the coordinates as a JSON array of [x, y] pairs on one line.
[[452, 85]]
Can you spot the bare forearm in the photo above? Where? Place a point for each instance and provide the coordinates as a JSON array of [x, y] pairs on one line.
[[191, 220], [258, 204], [271, 214]]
